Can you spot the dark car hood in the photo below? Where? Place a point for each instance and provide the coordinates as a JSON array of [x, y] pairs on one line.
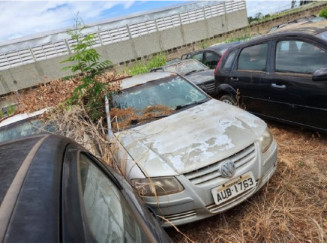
[[201, 77]]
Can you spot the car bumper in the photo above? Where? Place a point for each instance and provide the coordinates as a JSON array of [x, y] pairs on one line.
[[196, 202]]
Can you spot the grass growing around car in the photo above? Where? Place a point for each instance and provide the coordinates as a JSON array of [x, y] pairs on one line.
[[292, 207], [141, 67]]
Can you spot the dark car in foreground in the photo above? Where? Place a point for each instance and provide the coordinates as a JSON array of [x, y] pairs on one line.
[[281, 76], [210, 56], [53, 190], [194, 71]]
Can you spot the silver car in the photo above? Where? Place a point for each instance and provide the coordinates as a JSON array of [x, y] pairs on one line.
[[189, 156]]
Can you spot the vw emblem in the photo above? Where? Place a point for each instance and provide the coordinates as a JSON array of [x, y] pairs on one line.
[[227, 169]]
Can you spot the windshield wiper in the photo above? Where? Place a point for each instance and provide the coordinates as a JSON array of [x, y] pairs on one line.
[[193, 71], [178, 107], [160, 116]]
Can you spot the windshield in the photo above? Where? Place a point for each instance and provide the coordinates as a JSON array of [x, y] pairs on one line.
[[323, 35], [153, 100], [27, 127], [186, 67]]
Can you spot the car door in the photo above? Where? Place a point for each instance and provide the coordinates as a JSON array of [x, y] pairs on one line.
[[97, 207], [211, 59], [246, 77], [293, 93]]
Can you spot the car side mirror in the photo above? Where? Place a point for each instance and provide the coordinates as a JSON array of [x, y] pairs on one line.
[[320, 75]]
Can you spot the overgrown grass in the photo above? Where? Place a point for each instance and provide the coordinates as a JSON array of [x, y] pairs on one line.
[[244, 37], [141, 67]]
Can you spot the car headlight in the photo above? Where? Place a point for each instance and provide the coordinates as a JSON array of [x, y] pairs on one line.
[[157, 186], [265, 140]]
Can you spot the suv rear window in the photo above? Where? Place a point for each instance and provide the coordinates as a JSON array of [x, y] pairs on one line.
[[253, 58], [229, 61], [323, 35]]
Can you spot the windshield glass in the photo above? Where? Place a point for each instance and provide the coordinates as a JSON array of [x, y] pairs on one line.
[[186, 67], [153, 100], [22, 128], [323, 35]]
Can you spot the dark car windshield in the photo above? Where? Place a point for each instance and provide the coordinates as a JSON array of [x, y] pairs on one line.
[[153, 100], [186, 67], [323, 35], [26, 127]]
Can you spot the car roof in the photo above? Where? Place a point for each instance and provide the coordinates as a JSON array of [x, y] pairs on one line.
[[144, 78], [312, 28], [222, 46], [30, 177], [302, 32]]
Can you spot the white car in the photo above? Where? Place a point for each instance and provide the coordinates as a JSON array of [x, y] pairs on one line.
[[189, 156]]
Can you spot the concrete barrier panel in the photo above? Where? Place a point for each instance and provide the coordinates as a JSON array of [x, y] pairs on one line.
[[217, 25], [147, 44], [196, 31], [171, 38], [236, 20], [118, 52]]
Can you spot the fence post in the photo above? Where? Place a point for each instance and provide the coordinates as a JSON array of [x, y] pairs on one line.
[[182, 28], [67, 45], [132, 42]]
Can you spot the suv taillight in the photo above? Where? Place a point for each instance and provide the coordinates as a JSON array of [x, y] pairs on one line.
[[216, 69]]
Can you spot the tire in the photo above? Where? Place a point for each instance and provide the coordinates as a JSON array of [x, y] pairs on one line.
[[229, 99]]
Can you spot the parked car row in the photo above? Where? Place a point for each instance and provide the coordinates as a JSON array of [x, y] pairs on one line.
[[186, 155]]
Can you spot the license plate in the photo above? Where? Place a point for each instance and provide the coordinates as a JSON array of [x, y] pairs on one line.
[[233, 188]]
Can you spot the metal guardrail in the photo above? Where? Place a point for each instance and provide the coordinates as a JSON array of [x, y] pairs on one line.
[[37, 52]]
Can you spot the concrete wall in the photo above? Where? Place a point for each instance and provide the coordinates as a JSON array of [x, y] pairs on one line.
[[32, 74]]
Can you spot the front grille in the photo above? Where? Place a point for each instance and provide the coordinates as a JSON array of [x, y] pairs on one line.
[[210, 87], [214, 208], [211, 173], [179, 216]]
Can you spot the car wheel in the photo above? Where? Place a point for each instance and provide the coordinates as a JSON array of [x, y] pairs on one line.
[[229, 99]]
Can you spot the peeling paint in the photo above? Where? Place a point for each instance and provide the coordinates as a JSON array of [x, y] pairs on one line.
[[193, 138]]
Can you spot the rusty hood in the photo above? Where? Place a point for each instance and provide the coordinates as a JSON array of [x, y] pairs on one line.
[[191, 139]]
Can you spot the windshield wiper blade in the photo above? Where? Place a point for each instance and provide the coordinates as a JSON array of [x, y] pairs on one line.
[[178, 107], [160, 116], [193, 71]]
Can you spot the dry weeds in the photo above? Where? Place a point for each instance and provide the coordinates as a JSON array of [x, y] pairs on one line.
[[124, 118], [292, 207]]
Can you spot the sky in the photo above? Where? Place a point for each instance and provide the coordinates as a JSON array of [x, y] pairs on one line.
[[24, 18]]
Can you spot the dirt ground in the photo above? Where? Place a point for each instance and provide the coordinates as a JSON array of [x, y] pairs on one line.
[[291, 207]]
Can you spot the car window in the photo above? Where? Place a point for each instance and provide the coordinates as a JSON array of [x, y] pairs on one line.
[[184, 56], [186, 67], [229, 61], [211, 59], [109, 216], [253, 58], [153, 100], [197, 56], [299, 57], [323, 35]]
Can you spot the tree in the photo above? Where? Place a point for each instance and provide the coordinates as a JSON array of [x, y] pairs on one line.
[[86, 62], [258, 16]]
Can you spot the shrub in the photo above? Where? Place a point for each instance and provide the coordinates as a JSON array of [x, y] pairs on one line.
[[323, 13], [85, 61]]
